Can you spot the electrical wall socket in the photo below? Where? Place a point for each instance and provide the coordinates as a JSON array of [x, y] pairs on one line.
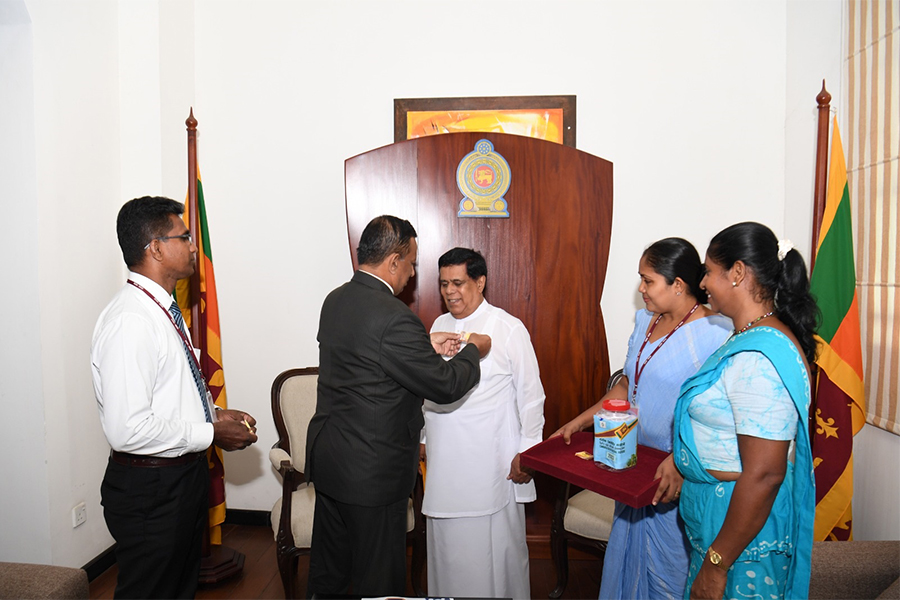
[[79, 515]]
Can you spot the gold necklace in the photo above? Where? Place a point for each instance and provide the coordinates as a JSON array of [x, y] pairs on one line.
[[754, 322]]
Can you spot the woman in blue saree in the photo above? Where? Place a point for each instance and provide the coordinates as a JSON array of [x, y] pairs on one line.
[[647, 553], [741, 439]]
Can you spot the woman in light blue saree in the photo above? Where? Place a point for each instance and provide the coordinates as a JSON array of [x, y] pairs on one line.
[[741, 437], [647, 553]]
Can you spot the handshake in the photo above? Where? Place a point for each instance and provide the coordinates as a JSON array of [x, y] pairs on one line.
[[449, 344]]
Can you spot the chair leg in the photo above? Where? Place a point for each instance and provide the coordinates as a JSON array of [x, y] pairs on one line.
[[287, 567], [560, 551], [602, 560], [558, 543], [417, 567], [418, 535]]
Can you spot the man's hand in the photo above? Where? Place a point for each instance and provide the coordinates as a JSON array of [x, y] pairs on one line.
[[234, 430], [482, 342], [445, 343], [518, 473]]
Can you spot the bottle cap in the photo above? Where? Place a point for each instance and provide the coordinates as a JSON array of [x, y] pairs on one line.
[[616, 404]]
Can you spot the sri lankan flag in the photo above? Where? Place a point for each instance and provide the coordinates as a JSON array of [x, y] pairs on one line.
[[840, 400], [210, 350]]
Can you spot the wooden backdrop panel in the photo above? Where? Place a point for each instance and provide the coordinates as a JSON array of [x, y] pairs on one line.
[[546, 262], [382, 182]]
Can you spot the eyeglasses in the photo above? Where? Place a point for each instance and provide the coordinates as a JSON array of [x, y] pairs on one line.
[[185, 236]]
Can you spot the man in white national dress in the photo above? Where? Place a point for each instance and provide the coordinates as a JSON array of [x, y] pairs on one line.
[[475, 487]]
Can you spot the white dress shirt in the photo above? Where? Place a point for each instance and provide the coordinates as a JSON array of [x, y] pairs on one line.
[[148, 401], [471, 443]]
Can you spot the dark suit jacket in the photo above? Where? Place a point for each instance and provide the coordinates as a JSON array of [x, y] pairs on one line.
[[376, 364]]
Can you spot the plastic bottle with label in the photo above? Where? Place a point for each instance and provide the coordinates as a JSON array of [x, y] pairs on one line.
[[615, 435]]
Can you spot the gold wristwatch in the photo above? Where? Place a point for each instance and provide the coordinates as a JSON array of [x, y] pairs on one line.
[[716, 559]]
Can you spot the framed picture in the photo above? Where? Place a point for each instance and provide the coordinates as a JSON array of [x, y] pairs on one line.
[[549, 118]]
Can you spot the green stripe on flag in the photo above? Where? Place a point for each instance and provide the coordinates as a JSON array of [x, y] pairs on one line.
[[204, 229], [833, 281]]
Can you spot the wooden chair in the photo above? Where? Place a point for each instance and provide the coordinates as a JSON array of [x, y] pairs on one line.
[[293, 405], [583, 519]]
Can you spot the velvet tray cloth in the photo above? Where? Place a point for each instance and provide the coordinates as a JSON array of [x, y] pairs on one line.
[[635, 486]]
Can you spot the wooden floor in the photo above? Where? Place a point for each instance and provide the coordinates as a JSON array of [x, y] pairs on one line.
[[260, 577]]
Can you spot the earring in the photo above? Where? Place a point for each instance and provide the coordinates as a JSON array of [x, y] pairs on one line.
[[734, 284], [677, 293]]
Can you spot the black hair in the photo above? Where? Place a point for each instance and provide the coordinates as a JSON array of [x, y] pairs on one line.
[[140, 221], [677, 258], [475, 264], [382, 237], [784, 282]]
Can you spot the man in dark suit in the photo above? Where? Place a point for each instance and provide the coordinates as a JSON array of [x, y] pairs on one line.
[[376, 364]]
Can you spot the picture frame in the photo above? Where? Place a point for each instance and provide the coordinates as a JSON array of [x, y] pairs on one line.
[[544, 117]]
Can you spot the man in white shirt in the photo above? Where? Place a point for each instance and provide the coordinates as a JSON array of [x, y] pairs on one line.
[[475, 487], [155, 410]]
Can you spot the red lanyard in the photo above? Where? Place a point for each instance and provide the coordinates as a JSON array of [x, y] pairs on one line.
[[638, 368], [180, 331]]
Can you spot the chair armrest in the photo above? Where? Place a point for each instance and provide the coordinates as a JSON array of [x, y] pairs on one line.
[[280, 460]]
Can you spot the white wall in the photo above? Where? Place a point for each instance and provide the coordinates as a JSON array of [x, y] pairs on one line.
[[691, 113], [77, 133], [876, 485], [20, 349], [705, 109]]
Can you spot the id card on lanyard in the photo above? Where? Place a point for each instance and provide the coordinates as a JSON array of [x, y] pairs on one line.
[[207, 395]]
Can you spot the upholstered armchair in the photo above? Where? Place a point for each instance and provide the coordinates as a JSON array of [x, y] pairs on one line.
[[293, 406]]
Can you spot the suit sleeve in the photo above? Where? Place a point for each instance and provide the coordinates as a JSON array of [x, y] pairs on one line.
[[409, 359]]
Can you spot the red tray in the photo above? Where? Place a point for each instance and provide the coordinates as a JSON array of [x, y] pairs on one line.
[[635, 486]]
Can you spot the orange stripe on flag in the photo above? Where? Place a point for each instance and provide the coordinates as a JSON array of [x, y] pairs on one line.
[[846, 340], [212, 302]]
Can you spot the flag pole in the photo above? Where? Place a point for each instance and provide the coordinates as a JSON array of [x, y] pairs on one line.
[[821, 189], [823, 100], [193, 223], [219, 562]]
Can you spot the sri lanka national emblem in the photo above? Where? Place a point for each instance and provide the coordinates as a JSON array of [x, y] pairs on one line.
[[483, 177]]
